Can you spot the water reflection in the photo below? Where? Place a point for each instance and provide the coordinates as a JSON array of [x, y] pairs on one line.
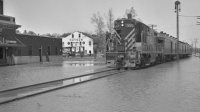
[[78, 63], [81, 64], [76, 80], [4, 96]]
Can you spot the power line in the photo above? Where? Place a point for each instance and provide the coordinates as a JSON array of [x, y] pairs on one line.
[[189, 16], [182, 26]]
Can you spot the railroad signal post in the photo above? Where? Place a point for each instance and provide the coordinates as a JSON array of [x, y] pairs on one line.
[[177, 10]]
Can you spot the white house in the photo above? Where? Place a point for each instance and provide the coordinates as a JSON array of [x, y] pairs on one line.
[[77, 43]]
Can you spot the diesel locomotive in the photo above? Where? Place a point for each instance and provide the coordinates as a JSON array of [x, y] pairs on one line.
[[134, 44]]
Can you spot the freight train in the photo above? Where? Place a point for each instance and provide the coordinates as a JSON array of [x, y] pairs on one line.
[[134, 44]]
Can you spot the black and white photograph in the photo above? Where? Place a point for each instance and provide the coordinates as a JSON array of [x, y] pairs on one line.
[[99, 56]]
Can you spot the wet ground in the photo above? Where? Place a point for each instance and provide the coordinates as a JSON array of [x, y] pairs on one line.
[[27, 74], [25, 92], [169, 87]]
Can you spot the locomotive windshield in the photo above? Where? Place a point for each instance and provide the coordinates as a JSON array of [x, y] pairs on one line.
[[124, 24]]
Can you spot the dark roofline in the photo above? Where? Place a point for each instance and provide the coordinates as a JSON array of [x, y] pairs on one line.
[[34, 36]]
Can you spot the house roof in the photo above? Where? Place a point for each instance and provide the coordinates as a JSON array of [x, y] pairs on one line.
[[84, 33]]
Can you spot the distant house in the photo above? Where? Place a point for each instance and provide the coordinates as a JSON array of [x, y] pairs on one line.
[[77, 43]]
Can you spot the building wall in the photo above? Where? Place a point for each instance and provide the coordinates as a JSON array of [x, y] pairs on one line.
[[33, 43], [76, 40], [36, 59], [31, 51]]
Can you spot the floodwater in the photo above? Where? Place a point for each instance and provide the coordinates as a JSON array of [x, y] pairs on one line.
[[28, 74], [7, 96], [169, 87]]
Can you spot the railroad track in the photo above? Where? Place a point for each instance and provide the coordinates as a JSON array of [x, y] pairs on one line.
[[14, 94]]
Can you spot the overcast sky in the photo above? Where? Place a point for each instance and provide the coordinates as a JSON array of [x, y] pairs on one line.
[[60, 16]]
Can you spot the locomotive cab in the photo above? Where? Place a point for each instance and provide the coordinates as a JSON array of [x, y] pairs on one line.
[[126, 37]]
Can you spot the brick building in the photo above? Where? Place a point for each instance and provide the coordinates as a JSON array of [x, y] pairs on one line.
[[20, 48], [38, 49]]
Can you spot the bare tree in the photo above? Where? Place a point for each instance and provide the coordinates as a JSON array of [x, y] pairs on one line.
[[25, 32], [31, 33], [56, 35], [65, 34], [99, 24], [110, 21], [47, 34]]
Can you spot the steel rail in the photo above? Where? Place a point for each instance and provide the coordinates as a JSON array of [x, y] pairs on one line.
[[38, 84], [59, 87]]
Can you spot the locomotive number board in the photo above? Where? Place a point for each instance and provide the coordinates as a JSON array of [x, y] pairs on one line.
[[129, 25]]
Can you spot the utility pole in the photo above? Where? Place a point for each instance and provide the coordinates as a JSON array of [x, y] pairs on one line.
[[177, 10], [152, 25], [195, 42]]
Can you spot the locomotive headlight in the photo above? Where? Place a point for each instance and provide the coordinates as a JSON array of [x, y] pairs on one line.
[[122, 23]]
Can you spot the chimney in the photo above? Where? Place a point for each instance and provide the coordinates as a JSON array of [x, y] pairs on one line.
[[129, 15], [1, 7]]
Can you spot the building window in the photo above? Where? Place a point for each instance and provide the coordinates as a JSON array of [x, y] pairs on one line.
[[68, 43], [30, 50], [90, 52], [56, 50], [80, 43], [48, 50], [76, 43], [19, 52], [63, 43], [71, 43], [79, 35], [90, 43], [72, 35]]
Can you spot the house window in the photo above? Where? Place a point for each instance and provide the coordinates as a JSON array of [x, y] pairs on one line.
[[71, 43], [63, 43], [79, 35], [90, 43], [90, 52], [30, 50], [80, 43], [48, 50], [72, 35]]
